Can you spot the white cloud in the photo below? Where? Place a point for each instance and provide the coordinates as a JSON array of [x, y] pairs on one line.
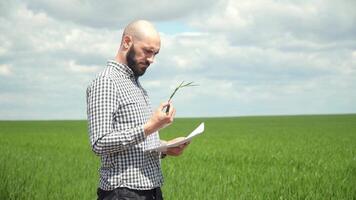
[[74, 67], [5, 70], [263, 22], [268, 75], [249, 57], [38, 32], [115, 14]]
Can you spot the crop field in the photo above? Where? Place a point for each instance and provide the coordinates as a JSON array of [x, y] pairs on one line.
[[269, 157]]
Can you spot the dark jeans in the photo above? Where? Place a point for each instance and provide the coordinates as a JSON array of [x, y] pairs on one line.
[[130, 194]]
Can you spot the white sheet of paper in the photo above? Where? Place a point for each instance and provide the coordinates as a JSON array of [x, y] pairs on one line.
[[164, 146]]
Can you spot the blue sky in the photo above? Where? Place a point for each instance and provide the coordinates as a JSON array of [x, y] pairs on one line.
[[252, 57]]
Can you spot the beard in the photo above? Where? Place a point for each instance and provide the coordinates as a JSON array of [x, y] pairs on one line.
[[134, 64]]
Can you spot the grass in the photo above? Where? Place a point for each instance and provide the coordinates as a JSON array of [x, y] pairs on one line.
[[275, 157]]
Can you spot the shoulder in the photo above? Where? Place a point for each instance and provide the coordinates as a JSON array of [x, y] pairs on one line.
[[105, 79], [108, 73]]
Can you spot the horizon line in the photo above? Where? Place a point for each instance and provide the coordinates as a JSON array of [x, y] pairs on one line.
[[198, 117]]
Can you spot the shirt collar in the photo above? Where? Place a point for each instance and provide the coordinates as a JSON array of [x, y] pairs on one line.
[[126, 70]]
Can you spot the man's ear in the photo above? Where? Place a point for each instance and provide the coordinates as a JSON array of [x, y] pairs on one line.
[[127, 41]]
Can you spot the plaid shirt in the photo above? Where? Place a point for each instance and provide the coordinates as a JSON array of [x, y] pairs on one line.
[[117, 108]]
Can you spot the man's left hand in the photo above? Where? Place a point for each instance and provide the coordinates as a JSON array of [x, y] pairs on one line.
[[176, 151]]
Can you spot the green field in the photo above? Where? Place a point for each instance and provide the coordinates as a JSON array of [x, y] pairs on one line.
[[281, 157]]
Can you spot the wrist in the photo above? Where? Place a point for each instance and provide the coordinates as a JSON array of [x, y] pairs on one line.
[[148, 129]]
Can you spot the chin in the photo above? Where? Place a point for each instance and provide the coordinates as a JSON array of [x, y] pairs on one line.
[[140, 72], [143, 69]]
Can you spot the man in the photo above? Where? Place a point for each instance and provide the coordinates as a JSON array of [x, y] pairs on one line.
[[121, 123]]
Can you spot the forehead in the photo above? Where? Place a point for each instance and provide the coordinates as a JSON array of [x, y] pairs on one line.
[[152, 43]]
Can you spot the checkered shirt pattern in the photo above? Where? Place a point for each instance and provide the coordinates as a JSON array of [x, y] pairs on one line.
[[117, 108]]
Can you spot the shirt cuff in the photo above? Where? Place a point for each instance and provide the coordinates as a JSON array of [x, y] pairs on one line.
[[163, 155], [140, 134]]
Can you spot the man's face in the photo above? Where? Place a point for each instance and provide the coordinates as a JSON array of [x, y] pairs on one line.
[[141, 55]]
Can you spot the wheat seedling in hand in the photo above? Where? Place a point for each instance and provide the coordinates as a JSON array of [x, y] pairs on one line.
[[181, 85]]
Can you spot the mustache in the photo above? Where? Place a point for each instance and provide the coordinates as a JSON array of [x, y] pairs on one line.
[[145, 63]]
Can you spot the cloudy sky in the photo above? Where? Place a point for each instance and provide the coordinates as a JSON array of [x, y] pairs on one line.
[[255, 57]]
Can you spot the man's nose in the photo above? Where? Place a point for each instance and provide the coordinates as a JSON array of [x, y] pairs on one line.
[[150, 59]]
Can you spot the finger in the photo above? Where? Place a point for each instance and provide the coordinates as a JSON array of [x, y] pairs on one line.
[[174, 114], [163, 105], [167, 109], [171, 110], [184, 146], [171, 114], [177, 151]]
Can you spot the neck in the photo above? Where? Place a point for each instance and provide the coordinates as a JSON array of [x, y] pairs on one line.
[[121, 57]]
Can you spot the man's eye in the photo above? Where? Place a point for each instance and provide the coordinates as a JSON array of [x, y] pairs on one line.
[[149, 52]]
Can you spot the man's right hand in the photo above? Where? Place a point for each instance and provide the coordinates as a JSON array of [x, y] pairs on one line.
[[160, 118]]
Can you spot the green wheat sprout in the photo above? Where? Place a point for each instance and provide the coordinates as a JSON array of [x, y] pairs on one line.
[[181, 85]]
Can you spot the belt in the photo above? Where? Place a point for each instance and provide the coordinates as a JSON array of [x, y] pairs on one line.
[[154, 194]]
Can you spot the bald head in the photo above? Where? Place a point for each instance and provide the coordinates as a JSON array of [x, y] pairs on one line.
[[139, 45], [141, 30]]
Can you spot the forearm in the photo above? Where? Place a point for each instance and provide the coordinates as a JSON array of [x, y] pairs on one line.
[[116, 141]]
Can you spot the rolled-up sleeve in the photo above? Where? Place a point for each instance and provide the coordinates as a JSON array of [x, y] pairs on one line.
[[102, 103]]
